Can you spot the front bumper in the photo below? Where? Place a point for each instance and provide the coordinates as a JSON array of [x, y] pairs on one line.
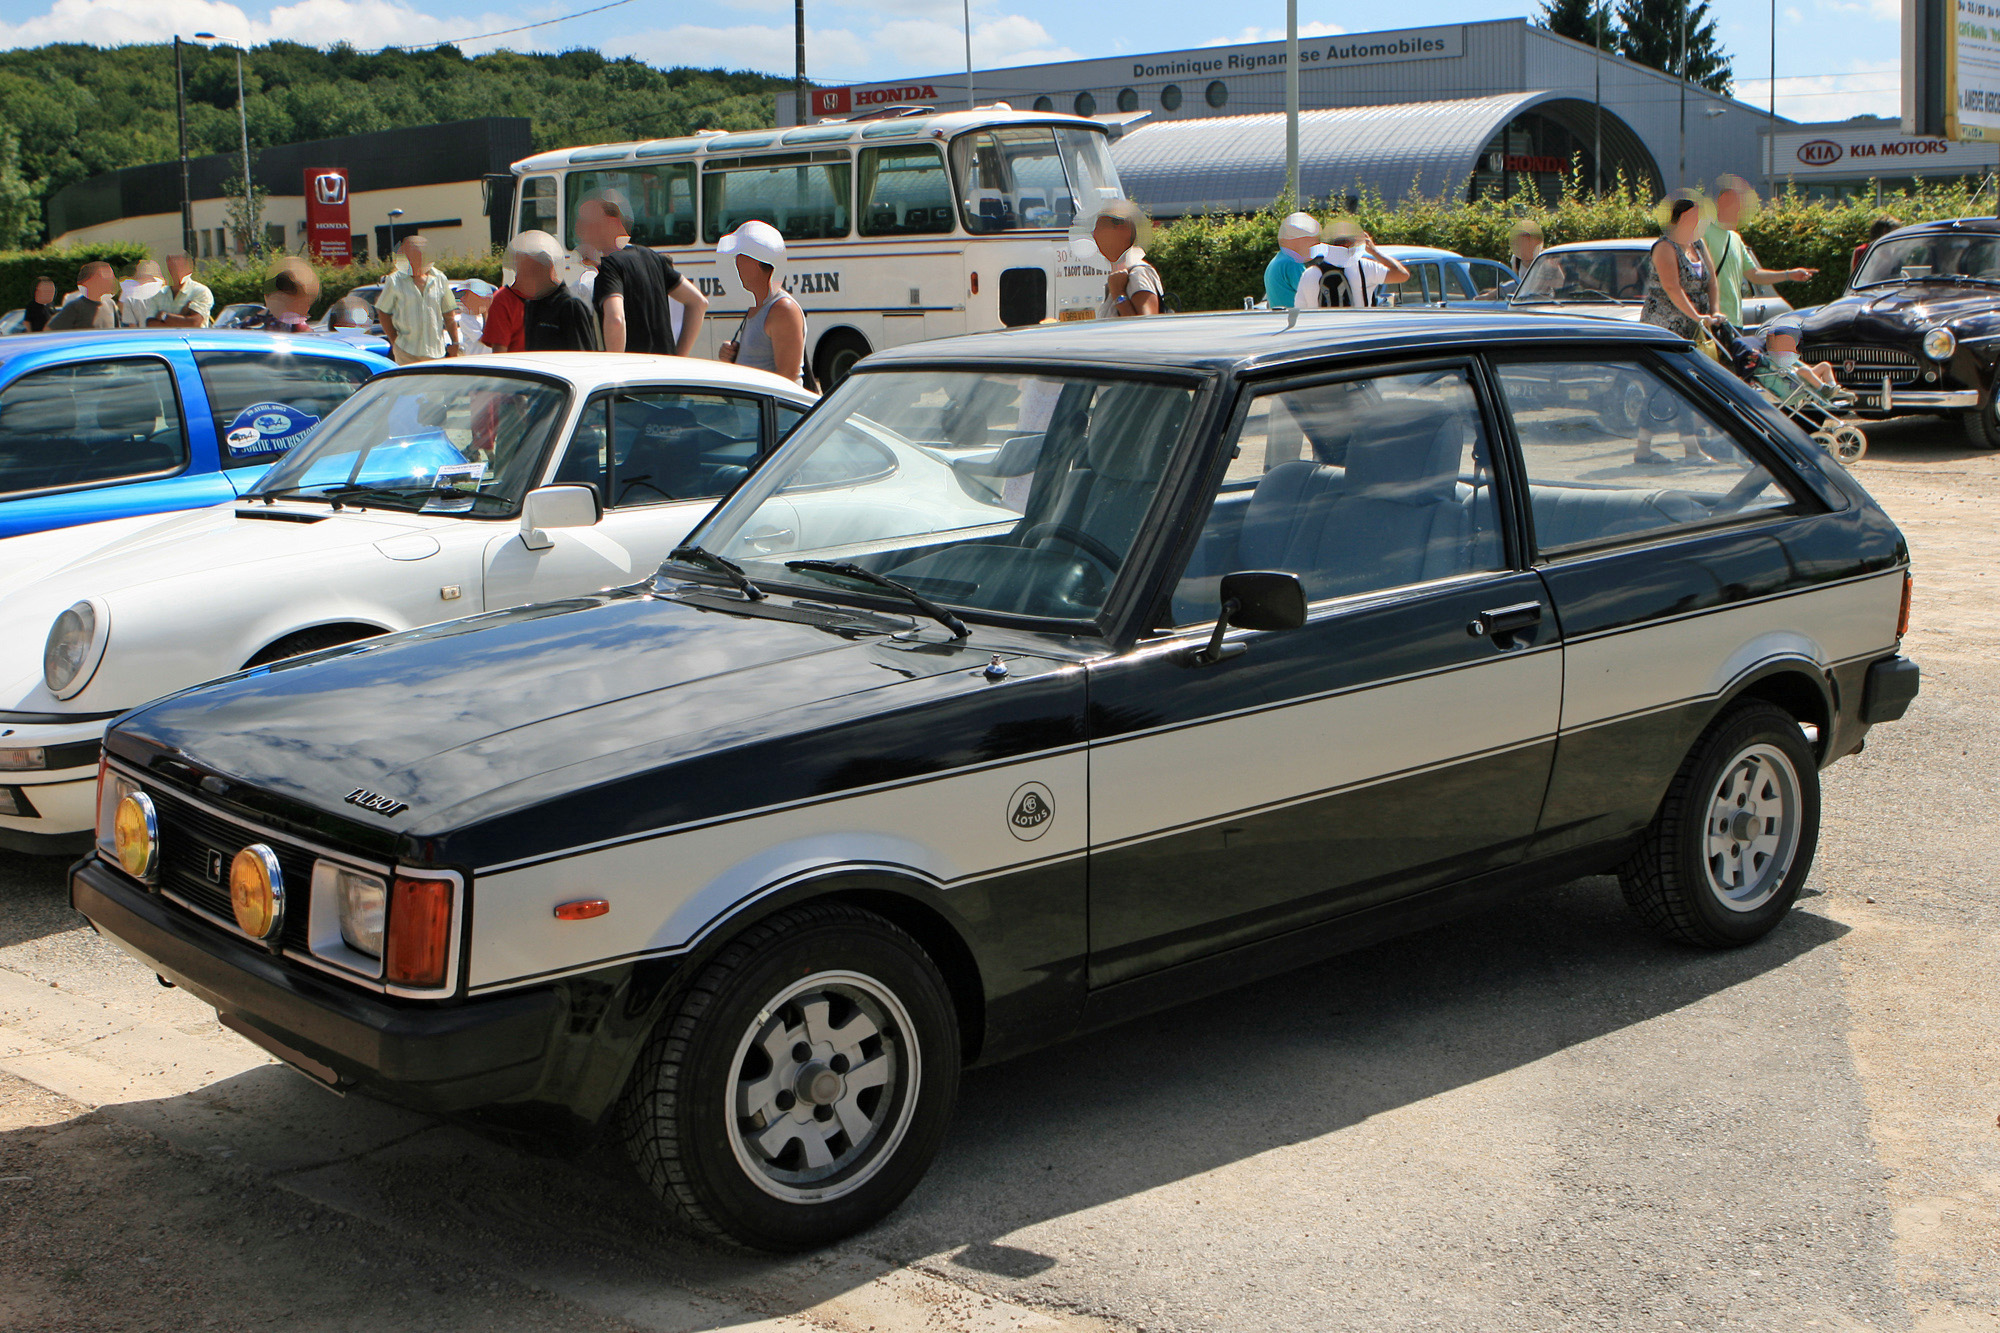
[[1888, 400], [63, 800], [428, 1056]]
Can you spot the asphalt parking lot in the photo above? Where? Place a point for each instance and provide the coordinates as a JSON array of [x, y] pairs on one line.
[[1539, 1118]]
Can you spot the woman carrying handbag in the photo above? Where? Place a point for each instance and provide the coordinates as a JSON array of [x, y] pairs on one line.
[[1681, 296]]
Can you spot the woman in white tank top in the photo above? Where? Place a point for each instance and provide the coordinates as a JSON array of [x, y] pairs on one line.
[[773, 335]]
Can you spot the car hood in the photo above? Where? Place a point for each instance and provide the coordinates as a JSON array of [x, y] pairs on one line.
[[1900, 312], [126, 561], [475, 719]]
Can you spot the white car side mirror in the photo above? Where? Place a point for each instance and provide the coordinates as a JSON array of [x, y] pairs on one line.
[[557, 507]]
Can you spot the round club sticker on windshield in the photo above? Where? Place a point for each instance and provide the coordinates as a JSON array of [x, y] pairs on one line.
[[268, 428]]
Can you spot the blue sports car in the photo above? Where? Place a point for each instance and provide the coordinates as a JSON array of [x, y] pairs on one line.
[[102, 425]]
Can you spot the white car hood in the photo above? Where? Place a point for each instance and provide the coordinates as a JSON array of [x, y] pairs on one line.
[[125, 562]]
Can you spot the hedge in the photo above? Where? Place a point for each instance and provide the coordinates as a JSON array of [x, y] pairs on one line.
[[231, 281], [1212, 261]]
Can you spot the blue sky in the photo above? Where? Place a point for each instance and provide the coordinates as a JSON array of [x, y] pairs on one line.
[[1835, 57]]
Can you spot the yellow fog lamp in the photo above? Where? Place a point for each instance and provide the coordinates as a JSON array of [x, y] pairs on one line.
[[135, 835], [257, 892]]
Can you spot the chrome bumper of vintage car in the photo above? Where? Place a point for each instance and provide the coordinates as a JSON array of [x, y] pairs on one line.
[[1888, 398]]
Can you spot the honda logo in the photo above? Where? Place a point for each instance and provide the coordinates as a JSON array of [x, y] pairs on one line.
[[330, 188], [832, 101]]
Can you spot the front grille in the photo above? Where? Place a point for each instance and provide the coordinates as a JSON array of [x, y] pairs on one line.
[[1870, 364], [189, 834]]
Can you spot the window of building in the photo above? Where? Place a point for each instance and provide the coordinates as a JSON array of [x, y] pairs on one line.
[[1218, 94], [904, 191], [1128, 100], [804, 195], [658, 201], [1045, 104], [1170, 97], [1085, 104], [206, 241], [118, 420]]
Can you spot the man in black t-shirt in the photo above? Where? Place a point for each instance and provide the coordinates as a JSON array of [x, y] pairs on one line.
[[634, 285]]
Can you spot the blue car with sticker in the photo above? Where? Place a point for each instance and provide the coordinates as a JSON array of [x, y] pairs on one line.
[[104, 425]]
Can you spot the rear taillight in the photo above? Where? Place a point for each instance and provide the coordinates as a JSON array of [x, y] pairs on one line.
[[419, 939], [1903, 616]]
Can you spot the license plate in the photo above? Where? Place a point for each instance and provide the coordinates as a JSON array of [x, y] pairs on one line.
[[1069, 315]]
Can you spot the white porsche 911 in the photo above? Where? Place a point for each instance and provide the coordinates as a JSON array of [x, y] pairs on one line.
[[438, 491]]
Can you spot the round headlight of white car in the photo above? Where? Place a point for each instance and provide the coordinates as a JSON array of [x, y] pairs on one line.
[[1939, 344], [75, 646]]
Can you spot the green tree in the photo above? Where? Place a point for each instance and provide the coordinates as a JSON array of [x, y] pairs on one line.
[[1651, 32], [20, 209], [1582, 21], [245, 213]]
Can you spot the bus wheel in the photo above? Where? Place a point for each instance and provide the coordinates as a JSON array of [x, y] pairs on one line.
[[837, 353]]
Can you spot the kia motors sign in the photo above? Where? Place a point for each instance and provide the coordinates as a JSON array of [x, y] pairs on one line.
[[328, 224], [1861, 152], [1820, 153]]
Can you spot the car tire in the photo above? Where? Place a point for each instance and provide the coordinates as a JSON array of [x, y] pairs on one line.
[[1625, 413], [308, 641], [742, 1114], [1982, 423], [1731, 845], [835, 356]]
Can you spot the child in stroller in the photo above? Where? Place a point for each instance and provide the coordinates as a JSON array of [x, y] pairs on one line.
[[1768, 360]]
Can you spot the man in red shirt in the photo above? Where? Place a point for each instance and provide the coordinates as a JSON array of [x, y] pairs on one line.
[[506, 326]]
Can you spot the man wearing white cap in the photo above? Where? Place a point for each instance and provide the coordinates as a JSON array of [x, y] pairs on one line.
[[1297, 235], [772, 335], [1347, 271]]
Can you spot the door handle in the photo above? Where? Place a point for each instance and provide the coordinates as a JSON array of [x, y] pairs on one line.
[[1505, 620]]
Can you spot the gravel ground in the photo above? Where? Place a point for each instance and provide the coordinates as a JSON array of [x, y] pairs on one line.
[[1540, 1118]]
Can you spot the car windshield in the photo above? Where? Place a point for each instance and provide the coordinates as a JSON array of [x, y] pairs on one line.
[[1585, 277], [441, 443], [1020, 494], [1945, 256]]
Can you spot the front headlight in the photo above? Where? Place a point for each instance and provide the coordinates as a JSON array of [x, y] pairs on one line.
[[1939, 344], [75, 647], [363, 901]]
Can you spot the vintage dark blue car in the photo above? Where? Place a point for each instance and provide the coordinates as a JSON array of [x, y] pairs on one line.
[[1039, 680], [1919, 328]]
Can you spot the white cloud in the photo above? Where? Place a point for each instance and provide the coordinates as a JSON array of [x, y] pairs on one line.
[[1253, 34], [1863, 92], [365, 23], [929, 46]]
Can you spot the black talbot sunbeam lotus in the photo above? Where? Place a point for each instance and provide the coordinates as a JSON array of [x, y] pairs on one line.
[[1918, 330], [1038, 681]]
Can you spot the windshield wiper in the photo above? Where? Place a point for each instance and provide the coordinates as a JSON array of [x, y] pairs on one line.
[[729, 569], [847, 569], [426, 493]]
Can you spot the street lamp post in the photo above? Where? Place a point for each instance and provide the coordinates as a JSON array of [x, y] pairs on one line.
[[181, 112], [243, 125], [394, 240], [1292, 102]]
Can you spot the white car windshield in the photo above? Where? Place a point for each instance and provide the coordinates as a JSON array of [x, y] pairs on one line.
[[440, 443], [1585, 277], [1942, 256], [1020, 494]]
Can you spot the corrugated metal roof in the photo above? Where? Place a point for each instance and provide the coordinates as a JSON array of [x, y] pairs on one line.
[[1236, 164]]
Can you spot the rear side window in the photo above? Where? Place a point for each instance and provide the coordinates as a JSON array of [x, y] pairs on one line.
[[89, 423], [1615, 452], [267, 404]]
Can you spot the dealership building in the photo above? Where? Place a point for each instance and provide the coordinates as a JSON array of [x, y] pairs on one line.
[[1459, 109], [1852, 159], [451, 182]]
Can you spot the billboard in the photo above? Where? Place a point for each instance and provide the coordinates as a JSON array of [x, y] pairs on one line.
[[328, 235], [1951, 69]]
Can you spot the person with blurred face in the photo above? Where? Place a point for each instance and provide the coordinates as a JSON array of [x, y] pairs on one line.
[[97, 307], [636, 286], [289, 294], [475, 298], [554, 318], [1734, 262], [773, 335], [137, 292], [43, 307], [1298, 233], [1524, 244], [417, 308], [182, 303], [1133, 287]]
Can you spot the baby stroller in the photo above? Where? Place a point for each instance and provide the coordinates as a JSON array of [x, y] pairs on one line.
[[1816, 411]]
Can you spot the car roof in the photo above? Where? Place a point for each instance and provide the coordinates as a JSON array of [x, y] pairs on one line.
[[142, 340], [1618, 243], [1252, 340], [1986, 224], [1419, 252], [592, 370]]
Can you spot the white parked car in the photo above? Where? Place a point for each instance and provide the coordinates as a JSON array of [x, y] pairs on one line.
[[1607, 280], [438, 491]]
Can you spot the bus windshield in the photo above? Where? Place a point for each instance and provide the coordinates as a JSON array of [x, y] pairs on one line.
[[1031, 177]]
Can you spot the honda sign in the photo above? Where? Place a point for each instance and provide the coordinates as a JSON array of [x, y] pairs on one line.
[[328, 233]]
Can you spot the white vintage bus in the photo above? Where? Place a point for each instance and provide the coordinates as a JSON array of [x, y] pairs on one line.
[[898, 226]]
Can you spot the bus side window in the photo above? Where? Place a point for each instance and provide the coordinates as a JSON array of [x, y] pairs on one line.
[[538, 204], [904, 191], [659, 200]]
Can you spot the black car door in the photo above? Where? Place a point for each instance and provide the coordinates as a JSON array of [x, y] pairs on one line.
[[1399, 740]]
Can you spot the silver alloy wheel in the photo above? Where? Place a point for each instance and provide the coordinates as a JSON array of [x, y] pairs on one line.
[[1752, 831], [823, 1087]]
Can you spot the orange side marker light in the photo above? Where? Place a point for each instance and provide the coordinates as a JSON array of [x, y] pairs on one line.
[[582, 909]]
